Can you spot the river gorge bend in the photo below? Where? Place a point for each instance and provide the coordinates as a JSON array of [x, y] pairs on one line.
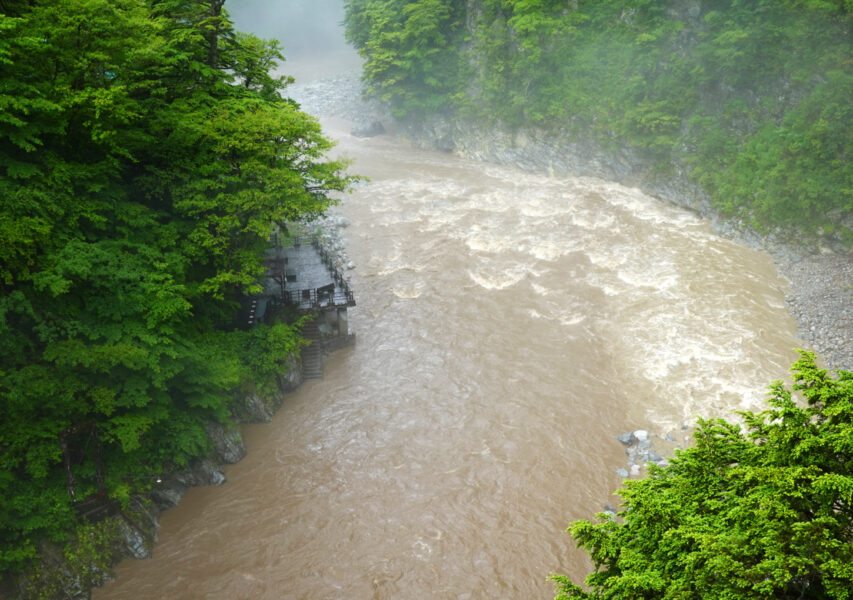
[[510, 325]]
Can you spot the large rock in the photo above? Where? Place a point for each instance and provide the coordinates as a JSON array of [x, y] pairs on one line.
[[133, 541], [228, 446], [254, 408], [292, 377], [626, 438], [206, 472], [168, 493]]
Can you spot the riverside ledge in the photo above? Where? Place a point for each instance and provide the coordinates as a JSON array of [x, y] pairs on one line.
[[133, 532]]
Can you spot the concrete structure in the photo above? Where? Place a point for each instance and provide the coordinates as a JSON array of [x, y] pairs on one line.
[[304, 276]]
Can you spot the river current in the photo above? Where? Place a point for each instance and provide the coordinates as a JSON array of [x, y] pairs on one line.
[[509, 326]]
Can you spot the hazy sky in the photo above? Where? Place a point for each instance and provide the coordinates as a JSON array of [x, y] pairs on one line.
[[302, 26]]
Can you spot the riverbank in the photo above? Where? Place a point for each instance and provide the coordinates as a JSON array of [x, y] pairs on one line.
[[820, 276], [131, 530]]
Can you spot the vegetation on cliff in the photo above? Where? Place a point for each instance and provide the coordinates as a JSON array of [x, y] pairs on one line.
[[761, 513], [145, 152], [750, 99]]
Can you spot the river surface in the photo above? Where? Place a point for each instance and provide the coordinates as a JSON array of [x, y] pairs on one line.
[[509, 326]]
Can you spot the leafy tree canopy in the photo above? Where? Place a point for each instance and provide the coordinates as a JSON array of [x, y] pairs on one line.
[[145, 153], [765, 512], [411, 53]]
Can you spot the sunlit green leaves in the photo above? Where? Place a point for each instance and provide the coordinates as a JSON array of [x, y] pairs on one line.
[[761, 513], [145, 155]]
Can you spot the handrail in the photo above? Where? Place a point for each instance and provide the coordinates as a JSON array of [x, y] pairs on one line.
[[334, 295], [319, 298]]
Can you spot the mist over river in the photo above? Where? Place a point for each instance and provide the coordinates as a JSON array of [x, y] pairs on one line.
[[509, 326]]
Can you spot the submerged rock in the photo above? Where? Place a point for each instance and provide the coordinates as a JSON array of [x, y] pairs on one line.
[[626, 438]]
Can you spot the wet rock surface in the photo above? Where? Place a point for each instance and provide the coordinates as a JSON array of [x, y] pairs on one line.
[[643, 447], [252, 408], [136, 543], [292, 379], [227, 442]]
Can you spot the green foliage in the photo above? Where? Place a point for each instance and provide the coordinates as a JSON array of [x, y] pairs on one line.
[[750, 98], [761, 513], [84, 562], [267, 348], [795, 170], [410, 51], [145, 153]]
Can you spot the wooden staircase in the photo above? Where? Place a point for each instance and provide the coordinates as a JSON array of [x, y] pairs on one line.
[[312, 354]]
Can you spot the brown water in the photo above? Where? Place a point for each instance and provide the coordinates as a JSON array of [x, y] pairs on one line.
[[509, 326]]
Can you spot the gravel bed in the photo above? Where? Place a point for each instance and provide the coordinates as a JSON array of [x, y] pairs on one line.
[[821, 299], [338, 96]]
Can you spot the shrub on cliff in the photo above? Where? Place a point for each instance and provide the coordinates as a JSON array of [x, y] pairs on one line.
[[761, 513]]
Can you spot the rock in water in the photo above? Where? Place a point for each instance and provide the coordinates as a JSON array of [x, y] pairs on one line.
[[626, 438]]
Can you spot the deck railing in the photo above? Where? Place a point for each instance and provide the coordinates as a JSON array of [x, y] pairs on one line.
[[319, 298], [334, 295]]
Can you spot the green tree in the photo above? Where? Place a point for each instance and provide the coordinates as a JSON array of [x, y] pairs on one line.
[[410, 51], [765, 512], [145, 153]]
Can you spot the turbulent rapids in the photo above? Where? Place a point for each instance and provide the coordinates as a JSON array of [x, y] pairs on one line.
[[509, 326]]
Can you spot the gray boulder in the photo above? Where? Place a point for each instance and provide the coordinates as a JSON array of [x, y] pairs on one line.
[[228, 443], [626, 438]]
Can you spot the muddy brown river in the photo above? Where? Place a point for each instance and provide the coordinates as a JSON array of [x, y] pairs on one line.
[[509, 326]]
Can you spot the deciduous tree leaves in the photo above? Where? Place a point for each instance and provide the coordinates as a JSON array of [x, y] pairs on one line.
[[145, 154]]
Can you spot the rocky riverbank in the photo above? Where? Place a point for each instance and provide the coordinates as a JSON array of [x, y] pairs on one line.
[[131, 531], [820, 295]]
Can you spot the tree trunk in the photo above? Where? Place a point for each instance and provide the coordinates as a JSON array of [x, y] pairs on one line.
[[214, 16]]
